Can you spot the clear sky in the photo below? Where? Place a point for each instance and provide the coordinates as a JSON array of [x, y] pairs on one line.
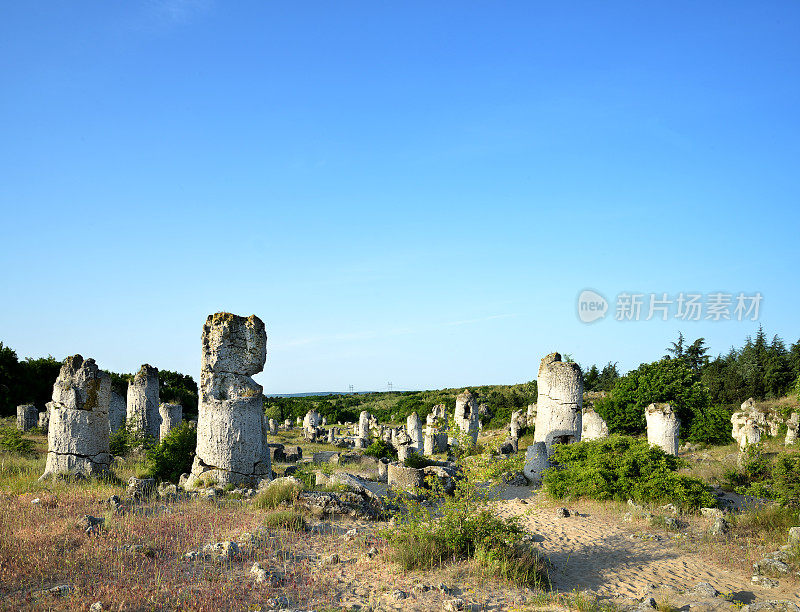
[[413, 192]]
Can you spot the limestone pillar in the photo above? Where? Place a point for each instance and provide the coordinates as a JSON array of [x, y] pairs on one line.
[[78, 431], [558, 414], [231, 428], [663, 427]]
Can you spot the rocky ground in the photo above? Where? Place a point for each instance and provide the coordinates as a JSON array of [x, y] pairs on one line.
[[219, 551]]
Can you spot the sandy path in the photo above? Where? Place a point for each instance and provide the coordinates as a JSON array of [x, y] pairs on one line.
[[597, 552]]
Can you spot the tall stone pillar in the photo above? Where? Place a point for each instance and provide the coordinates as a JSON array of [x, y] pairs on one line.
[[560, 401], [663, 427], [143, 403], [78, 431], [231, 427]]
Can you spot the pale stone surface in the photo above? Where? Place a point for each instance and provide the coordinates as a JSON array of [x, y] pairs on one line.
[[749, 434], [273, 426], [171, 417], [287, 424], [143, 402], [77, 437], [467, 417], [117, 411], [518, 422], [27, 417], [364, 420], [44, 418], [429, 442], [560, 401], [536, 462], [414, 431], [593, 426], [792, 429], [532, 411], [405, 478], [663, 427], [311, 421], [231, 428]]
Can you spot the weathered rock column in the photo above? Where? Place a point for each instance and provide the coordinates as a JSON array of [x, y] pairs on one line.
[[749, 434], [663, 427], [362, 433], [231, 428], [558, 414], [593, 426], [310, 425], [171, 417], [536, 462], [792, 429], [517, 424], [117, 411], [27, 417], [77, 437], [143, 403], [414, 431], [44, 417], [467, 417], [273, 426]]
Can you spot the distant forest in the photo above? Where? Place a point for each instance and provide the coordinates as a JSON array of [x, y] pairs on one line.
[[761, 368], [31, 382]]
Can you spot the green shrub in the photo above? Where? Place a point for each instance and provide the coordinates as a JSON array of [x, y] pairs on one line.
[[11, 440], [275, 494], [380, 449], [125, 440], [668, 380], [173, 455], [287, 519], [711, 425], [786, 479], [463, 526], [622, 468], [417, 461], [306, 473], [760, 476]]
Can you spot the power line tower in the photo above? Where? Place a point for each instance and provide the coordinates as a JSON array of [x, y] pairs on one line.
[[351, 388], [389, 385]]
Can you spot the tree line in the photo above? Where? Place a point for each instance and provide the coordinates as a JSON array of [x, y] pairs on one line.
[[30, 381]]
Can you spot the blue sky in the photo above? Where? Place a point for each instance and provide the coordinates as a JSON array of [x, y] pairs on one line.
[[410, 192]]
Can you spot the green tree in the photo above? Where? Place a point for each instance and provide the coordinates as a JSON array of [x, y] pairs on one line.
[[676, 349], [9, 380], [668, 380], [38, 377], [696, 355], [177, 388]]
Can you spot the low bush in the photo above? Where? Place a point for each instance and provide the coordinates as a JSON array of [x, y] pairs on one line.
[[463, 526], [768, 522], [417, 461], [125, 440], [622, 468], [711, 425], [173, 455], [286, 519], [775, 477], [12, 441], [483, 536], [276, 494], [380, 449]]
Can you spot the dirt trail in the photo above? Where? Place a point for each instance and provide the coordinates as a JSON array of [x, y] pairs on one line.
[[597, 552]]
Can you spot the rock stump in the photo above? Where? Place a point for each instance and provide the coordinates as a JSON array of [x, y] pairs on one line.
[[78, 431], [231, 428]]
